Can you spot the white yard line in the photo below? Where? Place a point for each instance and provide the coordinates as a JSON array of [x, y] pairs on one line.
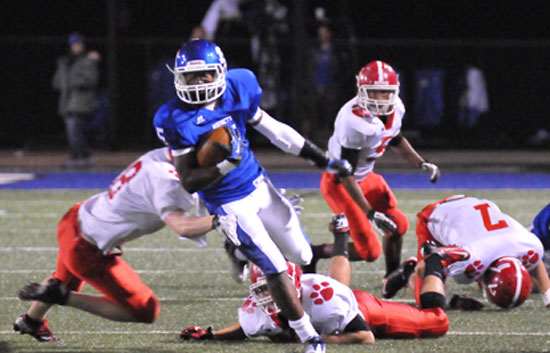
[[48, 249], [170, 332]]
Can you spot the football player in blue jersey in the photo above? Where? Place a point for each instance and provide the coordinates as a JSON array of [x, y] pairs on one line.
[[541, 228], [269, 231]]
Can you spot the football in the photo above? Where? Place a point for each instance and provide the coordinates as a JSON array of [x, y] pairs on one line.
[[213, 147]]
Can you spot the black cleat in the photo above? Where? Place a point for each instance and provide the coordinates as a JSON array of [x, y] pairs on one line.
[[54, 292], [39, 330], [398, 278], [427, 248], [238, 269]]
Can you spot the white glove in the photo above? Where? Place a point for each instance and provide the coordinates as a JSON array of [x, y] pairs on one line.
[[432, 169], [546, 298], [295, 199], [227, 225], [382, 221]]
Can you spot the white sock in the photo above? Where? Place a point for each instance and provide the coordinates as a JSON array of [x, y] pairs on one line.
[[303, 328]]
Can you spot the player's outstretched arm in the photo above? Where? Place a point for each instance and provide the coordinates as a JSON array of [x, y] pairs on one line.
[[542, 282], [189, 226], [363, 337], [403, 148], [290, 141], [232, 332]]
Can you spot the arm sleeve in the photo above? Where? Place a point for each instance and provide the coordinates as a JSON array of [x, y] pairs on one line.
[[280, 134], [396, 140], [351, 155], [357, 324]]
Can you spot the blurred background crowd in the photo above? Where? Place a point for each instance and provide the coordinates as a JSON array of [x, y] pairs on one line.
[[472, 75]]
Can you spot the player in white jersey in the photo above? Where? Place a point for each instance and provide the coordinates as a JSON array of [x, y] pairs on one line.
[[340, 314], [141, 200], [365, 126], [487, 233]]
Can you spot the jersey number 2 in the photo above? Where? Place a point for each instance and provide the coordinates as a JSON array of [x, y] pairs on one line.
[[483, 208]]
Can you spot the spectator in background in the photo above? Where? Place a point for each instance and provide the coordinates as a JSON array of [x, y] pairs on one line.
[[224, 23], [474, 100], [76, 78], [268, 24], [326, 75]]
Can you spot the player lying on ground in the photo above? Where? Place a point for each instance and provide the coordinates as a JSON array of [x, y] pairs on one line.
[[364, 128], [141, 200], [340, 314], [491, 237]]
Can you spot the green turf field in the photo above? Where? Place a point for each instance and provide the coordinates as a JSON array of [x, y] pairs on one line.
[[195, 288]]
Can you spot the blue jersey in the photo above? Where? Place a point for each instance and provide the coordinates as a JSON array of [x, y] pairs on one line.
[[541, 226], [181, 125]]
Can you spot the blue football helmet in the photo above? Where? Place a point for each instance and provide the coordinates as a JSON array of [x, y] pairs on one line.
[[200, 55]]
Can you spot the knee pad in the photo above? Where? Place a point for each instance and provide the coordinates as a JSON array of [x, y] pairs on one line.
[[149, 311], [432, 300]]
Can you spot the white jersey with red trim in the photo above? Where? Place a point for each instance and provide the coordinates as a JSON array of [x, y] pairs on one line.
[[330, 305], [479, 226], [136, 203], [355, 128]]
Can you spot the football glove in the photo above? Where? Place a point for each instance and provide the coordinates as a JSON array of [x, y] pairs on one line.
[[432, 169], [466, 303], [382, 221], [295, 199], [340, 167], [235, 156], [197, 333], [227, 225]]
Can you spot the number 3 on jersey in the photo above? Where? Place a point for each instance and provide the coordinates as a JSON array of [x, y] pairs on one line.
[[124, 178], [489, 225]]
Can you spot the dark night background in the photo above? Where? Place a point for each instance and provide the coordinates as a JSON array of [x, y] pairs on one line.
[[511, 44]]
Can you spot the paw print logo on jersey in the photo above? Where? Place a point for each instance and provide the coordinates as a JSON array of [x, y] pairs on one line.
[[248, 306], [530, 258], [323, 293], [474, 269]]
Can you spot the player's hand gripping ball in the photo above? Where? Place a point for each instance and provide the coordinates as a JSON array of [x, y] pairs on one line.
[[214, 147]]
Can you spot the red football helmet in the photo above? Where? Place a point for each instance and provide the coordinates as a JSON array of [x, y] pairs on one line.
[[260, 293], [507, 283], [377, 76]]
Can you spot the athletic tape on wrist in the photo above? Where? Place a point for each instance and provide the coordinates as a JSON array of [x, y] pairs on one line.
[[546, 298], [225, 166]]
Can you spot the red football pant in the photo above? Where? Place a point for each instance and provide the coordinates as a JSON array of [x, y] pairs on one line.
[[78, 261], [423, 234], [379, 195], [397, 320]]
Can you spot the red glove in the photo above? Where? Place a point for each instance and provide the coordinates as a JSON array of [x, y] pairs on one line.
[[197, 333]]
